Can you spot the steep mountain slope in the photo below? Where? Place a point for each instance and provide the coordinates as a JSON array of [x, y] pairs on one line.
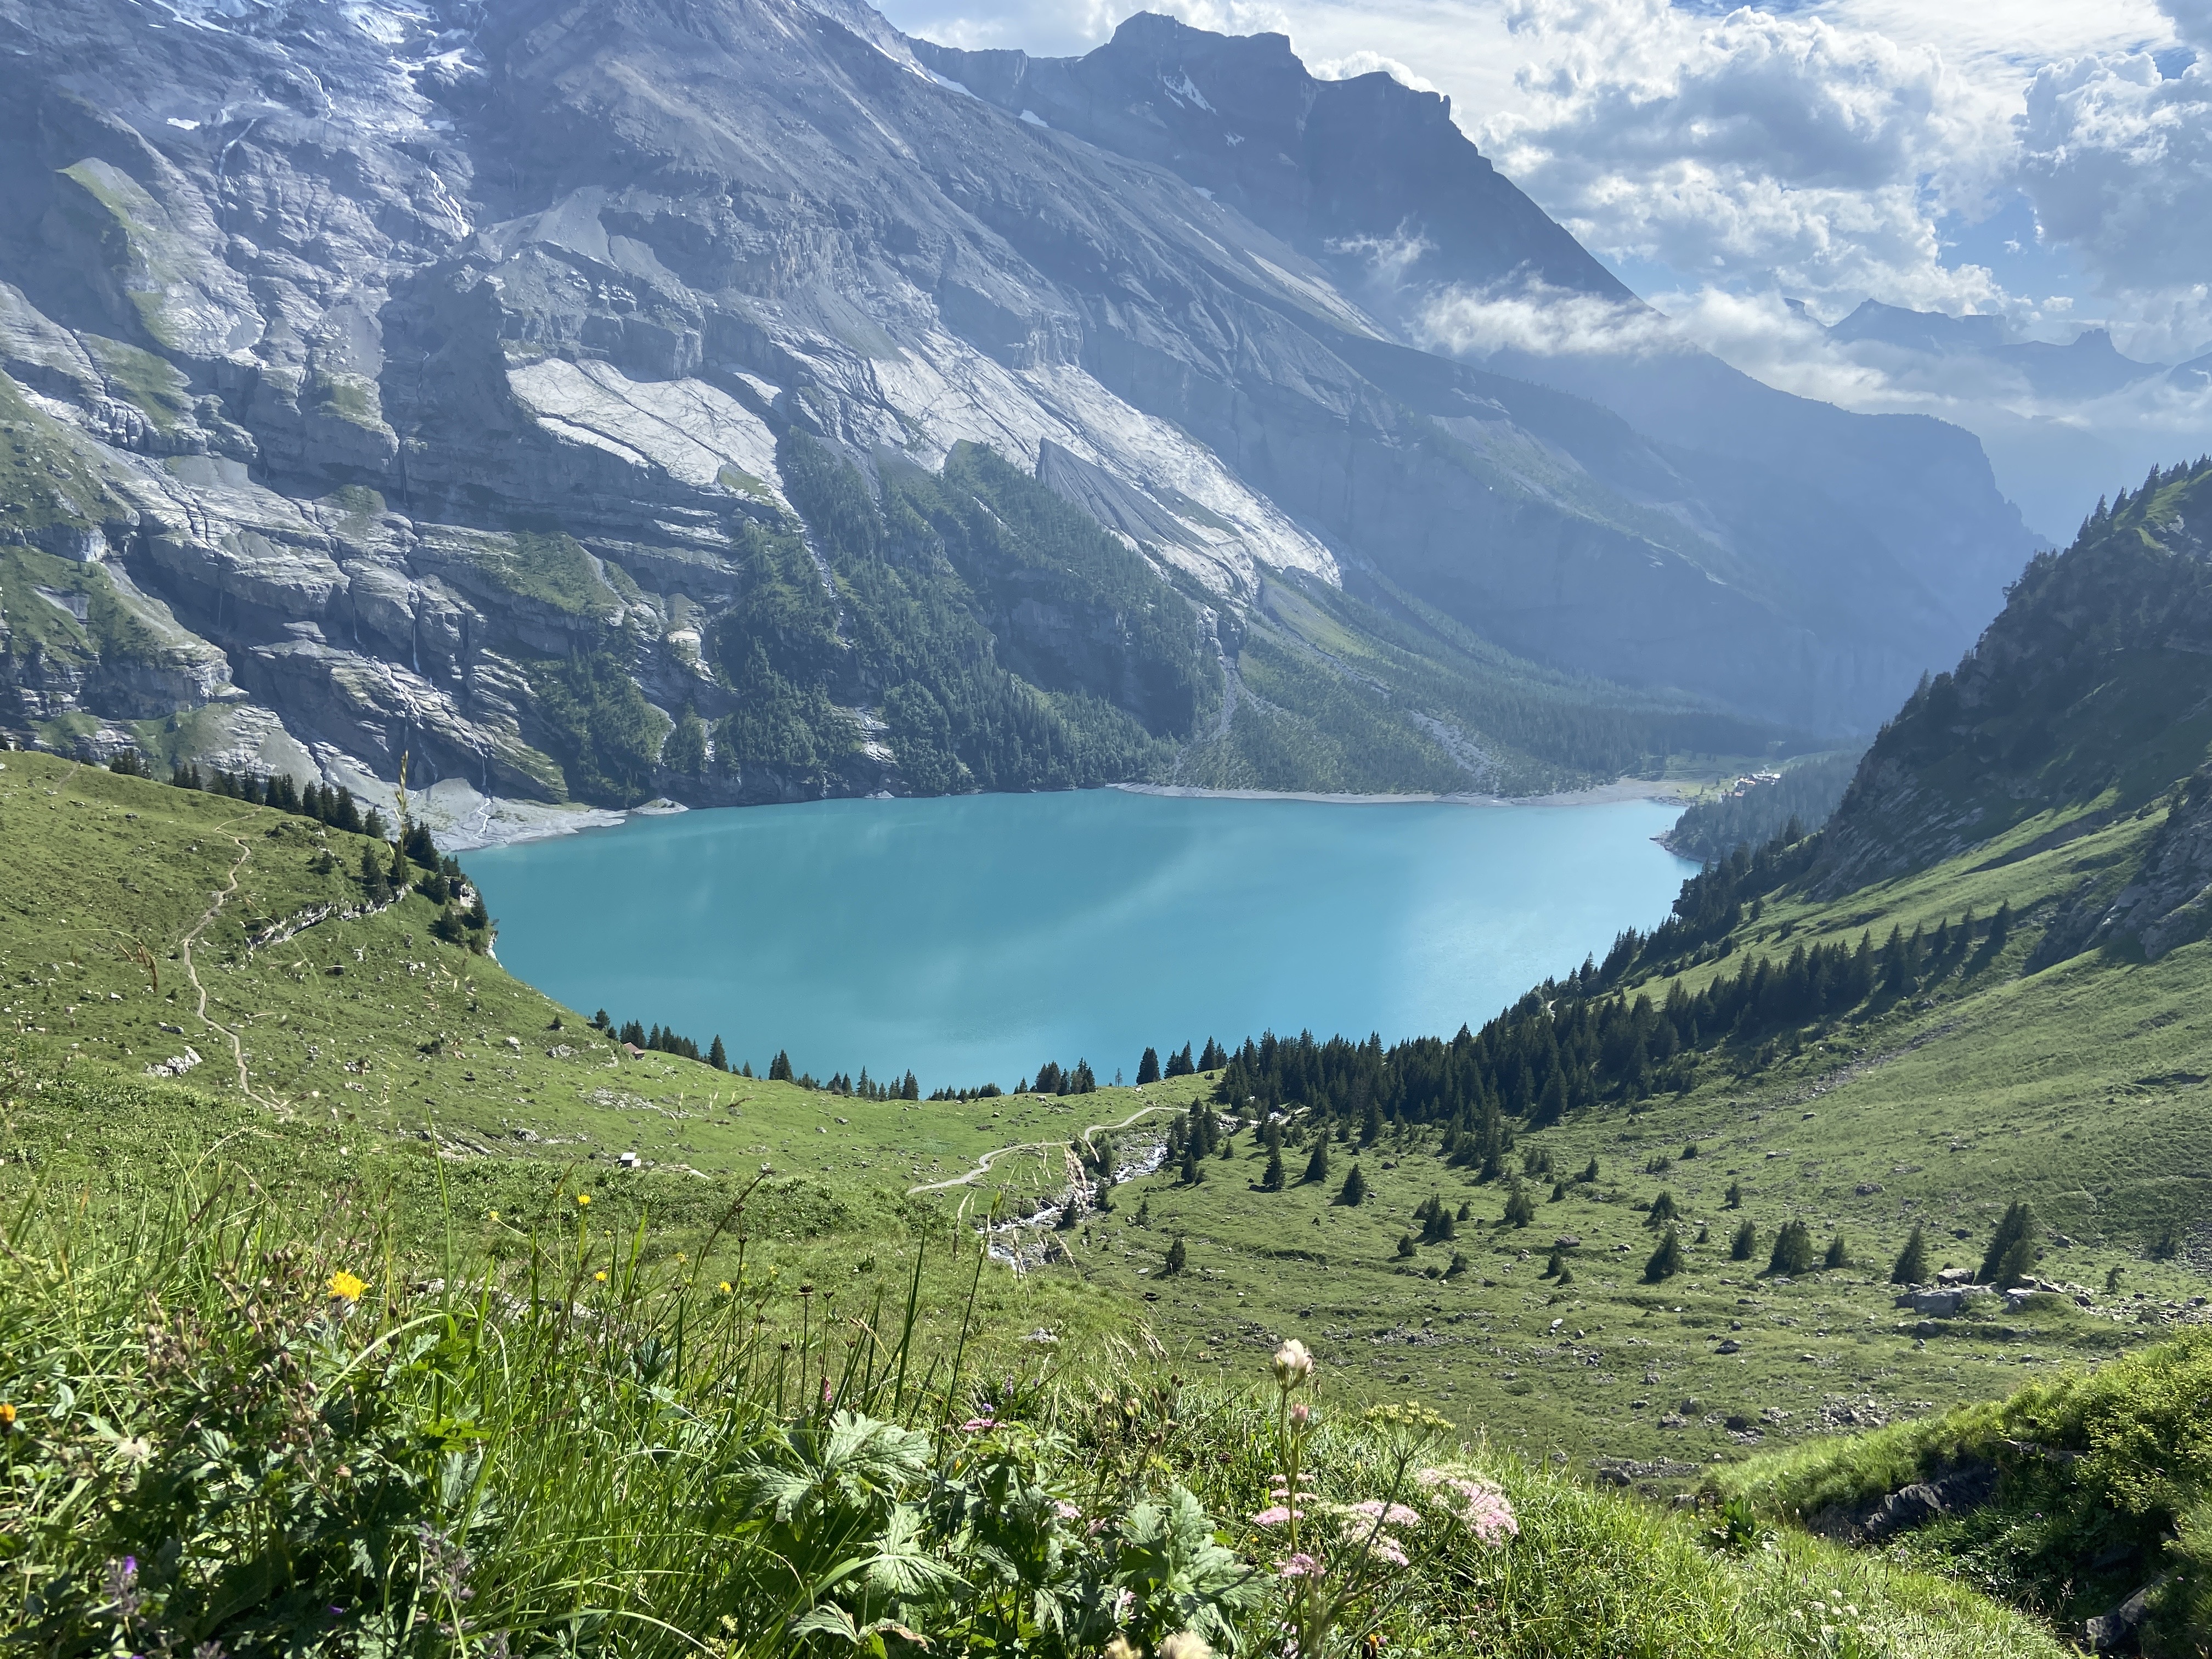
[[2086, 696], [1374, 183], [436, 372]]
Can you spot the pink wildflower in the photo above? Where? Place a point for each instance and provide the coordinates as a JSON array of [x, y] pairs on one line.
[[978, 1425], [1476, 1504], [1273, 1515], [1300, 1565]]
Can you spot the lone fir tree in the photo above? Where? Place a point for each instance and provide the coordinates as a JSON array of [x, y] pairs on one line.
[[1354, 1190], [1667, 1261], [1317, 1164], [2012, 1251], [1911, 1267], [1793, 1250]]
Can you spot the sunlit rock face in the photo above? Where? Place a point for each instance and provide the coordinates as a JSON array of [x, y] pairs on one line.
[[401, 349]]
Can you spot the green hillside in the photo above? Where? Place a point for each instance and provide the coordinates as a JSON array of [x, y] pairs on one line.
[[1635, 1238], [405, 1174]]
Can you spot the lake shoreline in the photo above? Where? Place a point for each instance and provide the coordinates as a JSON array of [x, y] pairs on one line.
[[1595, 795], [464, 820]]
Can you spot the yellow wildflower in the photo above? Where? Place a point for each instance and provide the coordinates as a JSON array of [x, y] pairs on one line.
[[8, 1412], [583, 1198], [346, 1286], [725, 1287], [601, 1276]]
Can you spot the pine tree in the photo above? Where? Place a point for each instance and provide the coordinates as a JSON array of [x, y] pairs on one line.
[[1744, 1241], [1178, 1258], [779, 1069], [2012, 1249], [718, 1056], [1458, 1265], [1735, 1198], [399, 875], [1911, 1267], [1519, 1210], [2000, 928], [1193, 1170], [1793, 1250], [1317, 1164], [1837, 1256], [1665, 1261], [1354, 1190], [1663, 1210], [1213, 1060], [1148, 1068], [1552, 1267], [1466, 1211], [1404, 1245], [1272, 1182], [1589, 1170], [376, 886]]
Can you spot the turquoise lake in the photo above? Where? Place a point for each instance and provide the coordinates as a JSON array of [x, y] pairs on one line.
[[974, 937]]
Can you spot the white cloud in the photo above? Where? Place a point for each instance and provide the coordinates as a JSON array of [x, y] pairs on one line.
[[1752, 149], [1545, 321], [2118, 160], [1356, 63], [1822, 149]]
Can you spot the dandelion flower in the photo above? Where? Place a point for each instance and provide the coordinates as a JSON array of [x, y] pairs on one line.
[[347, 1287], [1293, 1364], [7, 1415], [600, 1276], [494, 1215], [725, 1287], [584, 1199]]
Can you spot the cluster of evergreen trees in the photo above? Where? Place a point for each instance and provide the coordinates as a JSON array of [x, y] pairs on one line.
[[906, 1088], [412, 863], [659, 1040], [1180, 1064], [1806, 793], [924, 622], [1052, 1079], [1573, 1043], [1195, 1135], [988, 1091], [334, 807]]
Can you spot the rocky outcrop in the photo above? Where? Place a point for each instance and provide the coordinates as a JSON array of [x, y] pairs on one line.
[[2168, 903]]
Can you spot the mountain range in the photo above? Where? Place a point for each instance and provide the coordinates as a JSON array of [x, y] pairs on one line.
[[737, 400]]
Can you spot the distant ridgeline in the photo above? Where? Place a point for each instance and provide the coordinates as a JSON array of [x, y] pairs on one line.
[[1759, 808], [2090, 691]]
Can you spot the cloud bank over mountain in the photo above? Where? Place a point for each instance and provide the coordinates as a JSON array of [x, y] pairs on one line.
[[2045, 164]]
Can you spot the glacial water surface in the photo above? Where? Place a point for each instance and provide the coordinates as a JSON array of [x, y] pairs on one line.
[[972, 939]]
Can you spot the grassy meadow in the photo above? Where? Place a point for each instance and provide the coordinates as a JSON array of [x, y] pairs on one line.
[[501, 1180]]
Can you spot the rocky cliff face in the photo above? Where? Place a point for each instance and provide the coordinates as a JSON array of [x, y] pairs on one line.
[[428, 379]]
